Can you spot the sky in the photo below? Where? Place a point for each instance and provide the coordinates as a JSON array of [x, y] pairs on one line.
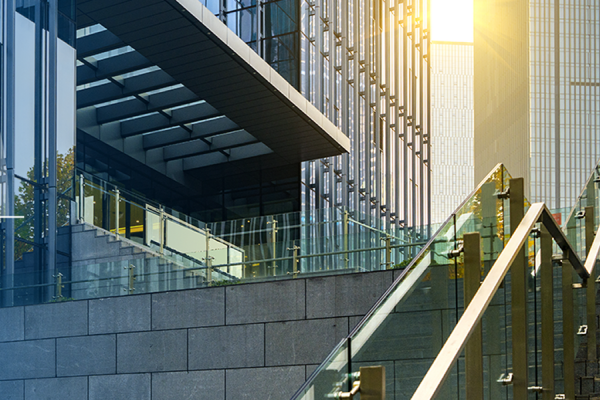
[[452, 20]]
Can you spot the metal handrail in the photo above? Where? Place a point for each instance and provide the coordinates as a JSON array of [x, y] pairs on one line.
[[592, 256], [440, 369]]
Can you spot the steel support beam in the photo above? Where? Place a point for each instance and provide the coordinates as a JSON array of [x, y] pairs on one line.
[[154, 122], [547, 297], [109, 67], [145, 105], [52, 140], [518, 281], [127, 87], [97, 43], [10, 116]]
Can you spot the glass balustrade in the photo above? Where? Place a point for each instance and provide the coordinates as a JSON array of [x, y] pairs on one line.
[[269, 247], [179, 247], [585, 210], [406, 329]]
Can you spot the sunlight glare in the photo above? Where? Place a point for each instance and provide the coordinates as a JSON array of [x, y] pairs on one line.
[[452, 20]]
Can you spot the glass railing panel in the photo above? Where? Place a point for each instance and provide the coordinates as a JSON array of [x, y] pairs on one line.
[[331, 377], [152, 227], [575, 224], [93, 209], [576, 231], [134, 228], [336, 254], [496, 344], [407, 328], [185, 240], [418, 314]]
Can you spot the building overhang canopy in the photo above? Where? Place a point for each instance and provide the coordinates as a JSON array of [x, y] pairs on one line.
[[204, 96]]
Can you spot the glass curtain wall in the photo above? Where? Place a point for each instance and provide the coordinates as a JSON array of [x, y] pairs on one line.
[[40, 137], [270, 28], [365, 65], [564, 55]]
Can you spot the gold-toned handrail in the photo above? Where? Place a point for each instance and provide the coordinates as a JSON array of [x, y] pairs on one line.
[[440, 369], [592, 256]]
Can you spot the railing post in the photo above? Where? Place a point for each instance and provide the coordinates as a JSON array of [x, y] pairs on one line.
[[518, 279], [372, 383], [208, 259], [388, 250], [117, 198], [294, 260], [274, 245], [345, 227], [591, 287], [59, 286], [473, 349], [547, 299], [81, 200], [161, 230], [568, 328], [131, 279]]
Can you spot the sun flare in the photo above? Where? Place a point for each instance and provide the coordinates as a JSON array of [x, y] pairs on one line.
[[452, 20]]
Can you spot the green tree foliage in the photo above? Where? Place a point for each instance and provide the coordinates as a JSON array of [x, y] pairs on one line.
[[24, 202]]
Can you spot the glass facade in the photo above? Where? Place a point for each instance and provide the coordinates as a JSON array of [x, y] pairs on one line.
[[452, 126], [271, 28], [364, 64], [564, 97], [38, 137]]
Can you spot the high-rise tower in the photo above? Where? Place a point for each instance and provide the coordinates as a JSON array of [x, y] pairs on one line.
[[451, 126], [537, 93]]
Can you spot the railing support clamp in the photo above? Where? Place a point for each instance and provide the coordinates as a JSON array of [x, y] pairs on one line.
[[506, 379]]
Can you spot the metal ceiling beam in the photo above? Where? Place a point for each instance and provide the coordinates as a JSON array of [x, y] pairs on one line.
[[154, 122], [221, 142], [96, 43], [147, 104], [113, 66], [235, 154], [198, 130], [129, 87]]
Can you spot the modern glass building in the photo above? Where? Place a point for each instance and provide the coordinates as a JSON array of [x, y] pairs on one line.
[[451, 125], [200, 108], [536, 93]]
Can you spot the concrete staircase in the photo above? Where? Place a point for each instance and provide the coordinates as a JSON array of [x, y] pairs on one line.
[[101, 264]]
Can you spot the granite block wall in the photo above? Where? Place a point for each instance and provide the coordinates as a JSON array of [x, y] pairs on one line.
[[248, 341]]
